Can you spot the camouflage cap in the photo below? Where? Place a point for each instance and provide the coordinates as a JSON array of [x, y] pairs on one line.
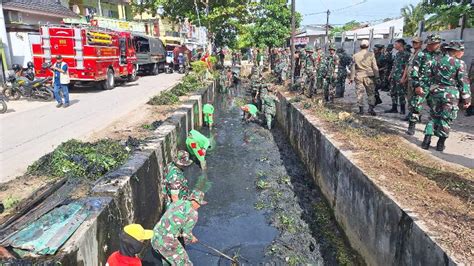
[[340, 50], [182, 158], [457, 45], [390, 46], [379, 46], [433, 38], [198, 196], [417, 39], [332, 46], [309, 48]]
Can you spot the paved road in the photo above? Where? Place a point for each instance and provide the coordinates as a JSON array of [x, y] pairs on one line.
[[31, 129]]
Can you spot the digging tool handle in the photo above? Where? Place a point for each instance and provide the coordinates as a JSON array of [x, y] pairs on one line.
[[217, 251]]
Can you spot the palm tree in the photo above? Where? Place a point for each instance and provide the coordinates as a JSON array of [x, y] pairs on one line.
[[412, 16], [446, 17]]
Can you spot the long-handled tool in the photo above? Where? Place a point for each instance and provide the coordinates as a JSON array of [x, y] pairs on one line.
[[219, 252]]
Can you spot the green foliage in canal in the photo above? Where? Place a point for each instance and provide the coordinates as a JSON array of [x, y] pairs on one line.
[[190, 83], [81, 159]]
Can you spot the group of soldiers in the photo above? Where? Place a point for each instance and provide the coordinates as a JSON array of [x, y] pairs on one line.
[[263, 98], [435, 76], [317, 71]]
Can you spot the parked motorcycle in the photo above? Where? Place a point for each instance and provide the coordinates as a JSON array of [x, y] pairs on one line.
[[3, 104], [169, 63], [38, 89]]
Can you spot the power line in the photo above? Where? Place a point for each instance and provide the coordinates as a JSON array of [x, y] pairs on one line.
[[337, 10]]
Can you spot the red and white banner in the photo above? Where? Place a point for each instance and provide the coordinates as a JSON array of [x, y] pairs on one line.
[[301, 40]]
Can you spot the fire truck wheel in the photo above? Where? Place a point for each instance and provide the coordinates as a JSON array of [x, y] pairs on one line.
[[109, 82], [156, 70], [133, 76]]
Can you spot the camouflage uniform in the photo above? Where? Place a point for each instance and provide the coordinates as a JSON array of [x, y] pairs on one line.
[[345, 61], [422, 75], [269, 108], [178, 221], [451, 84], [329, 73], [388, 56], [308, 72], [397, 90], [381, 60], [319, 61], [175, 183]]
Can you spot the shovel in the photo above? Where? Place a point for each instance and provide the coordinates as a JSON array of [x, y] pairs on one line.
[[234, 261]]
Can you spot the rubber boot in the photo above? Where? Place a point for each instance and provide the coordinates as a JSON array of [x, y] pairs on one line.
[[407, 117], [440, 145], [393, 110], [203, 165], [377, 100], [426, 142], [361, 110], [371, 110], [402, 109], [411, 128]]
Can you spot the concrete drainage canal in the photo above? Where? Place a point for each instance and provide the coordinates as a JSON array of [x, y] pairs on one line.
[[263, 205]]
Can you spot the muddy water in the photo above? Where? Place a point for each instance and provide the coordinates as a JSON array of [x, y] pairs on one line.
[[262, 202]]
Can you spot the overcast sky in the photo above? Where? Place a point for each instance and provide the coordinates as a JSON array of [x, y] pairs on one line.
[[368, 11]]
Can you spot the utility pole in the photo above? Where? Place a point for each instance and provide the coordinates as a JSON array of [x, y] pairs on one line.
[[292, 42], [327, 28]]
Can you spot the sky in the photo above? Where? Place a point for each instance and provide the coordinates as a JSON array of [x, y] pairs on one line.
[[347, 10]]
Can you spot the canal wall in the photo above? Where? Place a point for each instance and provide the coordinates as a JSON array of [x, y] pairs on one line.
[[134, 190], [382, 231]]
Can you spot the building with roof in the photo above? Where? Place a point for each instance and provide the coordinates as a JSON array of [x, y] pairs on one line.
[[310, 35]]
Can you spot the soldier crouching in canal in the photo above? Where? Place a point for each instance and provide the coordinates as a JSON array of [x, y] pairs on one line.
[[178, 221], [175, 184]]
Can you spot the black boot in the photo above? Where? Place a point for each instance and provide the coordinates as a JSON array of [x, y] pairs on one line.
[[440, 145], [393, 110], [377, 100], [402, 109], [411, 128], [426, 142], [371, 110], [361, 110]]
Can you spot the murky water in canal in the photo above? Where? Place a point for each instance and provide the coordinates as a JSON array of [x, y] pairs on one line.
[[262, 201]]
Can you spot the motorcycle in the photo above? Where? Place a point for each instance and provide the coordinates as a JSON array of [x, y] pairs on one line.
[[38, 89], [169, 63], [182, 68], [3, 104]]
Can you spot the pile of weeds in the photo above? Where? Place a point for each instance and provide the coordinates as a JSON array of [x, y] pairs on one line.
[[190, 83], [154, 125], [81, 159]]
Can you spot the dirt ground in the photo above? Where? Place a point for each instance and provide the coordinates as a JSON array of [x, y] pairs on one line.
[[438, 192]]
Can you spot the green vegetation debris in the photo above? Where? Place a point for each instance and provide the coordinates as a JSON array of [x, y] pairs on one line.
[[287, 222], [81, 159], [191, 82], [284, 180], [262, 184], [10, 202], [260, 205]]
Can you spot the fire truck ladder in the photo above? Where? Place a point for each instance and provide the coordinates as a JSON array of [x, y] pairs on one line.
[[79, 49], [46, 41]]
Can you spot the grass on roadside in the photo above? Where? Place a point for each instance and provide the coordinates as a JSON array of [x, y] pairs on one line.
[[190, 83]]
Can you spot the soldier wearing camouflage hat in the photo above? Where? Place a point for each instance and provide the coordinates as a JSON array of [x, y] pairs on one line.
[[345, 62], [417, 44], [308, 71], [397, 88], [450, 88], [422, 75], [379, 52], [388, 55], [178, 221]]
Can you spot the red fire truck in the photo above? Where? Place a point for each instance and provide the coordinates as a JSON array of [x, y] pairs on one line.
[[92, 54]]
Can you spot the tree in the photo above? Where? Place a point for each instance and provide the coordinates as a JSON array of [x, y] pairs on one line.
[[447, 16], [412, 15], [351, 25]]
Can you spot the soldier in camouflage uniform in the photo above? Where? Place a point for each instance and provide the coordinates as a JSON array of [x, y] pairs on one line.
[[388, 67], [308, 72], [406, 79], [382, 65], [178, 221], [175, 184], [269, 107], [319, 61], [398, 89], [450, 88], [330, 72], [422, 75], [345, 62]]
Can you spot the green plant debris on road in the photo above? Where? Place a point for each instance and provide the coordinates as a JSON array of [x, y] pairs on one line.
[[190, 83], [81, 159], [10, 202]]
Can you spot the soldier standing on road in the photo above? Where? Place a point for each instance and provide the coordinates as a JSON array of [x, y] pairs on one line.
[[450, 88], [417, 45], [398, 89], [389, 65], [331, 66], [308, 72], [365, 73], [269, 108], [422, 76], [178, 221], [345, 62]]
